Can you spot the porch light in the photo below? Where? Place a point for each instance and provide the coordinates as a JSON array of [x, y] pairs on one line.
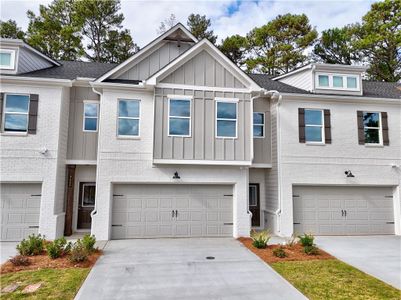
[[348, 173], [176, 176]]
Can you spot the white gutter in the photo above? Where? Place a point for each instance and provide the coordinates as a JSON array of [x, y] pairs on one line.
[[139, 86]]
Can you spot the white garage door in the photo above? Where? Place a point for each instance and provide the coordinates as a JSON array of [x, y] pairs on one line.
[[343, 210], [20, 210], [141, 211]]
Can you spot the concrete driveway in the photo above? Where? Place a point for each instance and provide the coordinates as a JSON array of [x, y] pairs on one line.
[[178, 269], [379, 256], [7, 250]]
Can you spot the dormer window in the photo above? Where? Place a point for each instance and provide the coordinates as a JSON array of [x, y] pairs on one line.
[[337, 82], [7, 59]]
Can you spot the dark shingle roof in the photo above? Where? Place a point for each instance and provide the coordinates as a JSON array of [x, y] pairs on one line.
[[72, 70], [375, 89]]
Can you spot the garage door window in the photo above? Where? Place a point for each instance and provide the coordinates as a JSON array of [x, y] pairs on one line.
[[371, 123], [128, 118], [179, 120], [16, 112], [314, 126]]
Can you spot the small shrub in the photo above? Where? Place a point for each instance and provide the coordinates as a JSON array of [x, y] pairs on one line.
[[260, 239], [34, 245], [89, 241], [292, 240], [78, 252], [306, 239], [279, 252], [58, 247], [311, 250], [20, 260]]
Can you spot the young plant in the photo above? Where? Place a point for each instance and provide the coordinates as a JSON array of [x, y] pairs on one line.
[[292, 240], [260, 238], [89, 241], [311, 250], [279, 252], [20, 260], [34, 245], [306, 239], [78, 252], [58, 248]]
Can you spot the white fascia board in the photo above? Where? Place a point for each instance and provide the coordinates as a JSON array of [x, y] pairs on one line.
[[339, 98], [35, 80], [120, 86], [201, 162], [81, 162], [144, 50], [215, 53]]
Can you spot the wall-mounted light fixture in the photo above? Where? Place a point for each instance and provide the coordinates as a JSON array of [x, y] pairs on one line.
[[348, 173], [176, 176]]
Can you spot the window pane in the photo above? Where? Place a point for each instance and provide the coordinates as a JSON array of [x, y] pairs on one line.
[[128, 127], [258, 118], [5, 59], [323, 80], [226, 110], [180, 108], [371, 119], [226, 128], [313, 117], [128, 108], [16, 122], [90, 109], [372, 136], [89, 195], [337, 81], [257, 130], [17, 103], [351, 82], [253, 200], [313, 134], [90, 124], [179, 126]]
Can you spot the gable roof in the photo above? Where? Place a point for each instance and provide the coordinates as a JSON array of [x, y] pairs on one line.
[[167, 35], [215, 53]]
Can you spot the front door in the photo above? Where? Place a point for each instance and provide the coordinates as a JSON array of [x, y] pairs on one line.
[[254, 204], [86, 204]]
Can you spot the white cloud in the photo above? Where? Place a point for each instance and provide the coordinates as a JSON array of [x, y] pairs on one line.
[[143, 17]]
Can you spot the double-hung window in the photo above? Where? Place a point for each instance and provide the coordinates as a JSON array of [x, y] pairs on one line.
[[128, 118], [226, 118], [258, 125], [372, 127], [91, 113], [179, 117], [7, 59], [16, 113], [314, 126]]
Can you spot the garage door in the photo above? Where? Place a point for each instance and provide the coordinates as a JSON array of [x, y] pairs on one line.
[[20, 210], [142, 211], [343, 210]]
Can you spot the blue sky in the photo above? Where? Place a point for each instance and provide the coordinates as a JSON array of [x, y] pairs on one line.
[[230, 17]]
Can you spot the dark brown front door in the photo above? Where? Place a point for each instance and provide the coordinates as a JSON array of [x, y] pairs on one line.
[[86, 204], [254, 203]]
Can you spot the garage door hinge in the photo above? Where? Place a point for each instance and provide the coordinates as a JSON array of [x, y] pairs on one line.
[[388, 196], [116, 195], [295, 196], [36, 195], [297, 223], [228, 223], [228, 195], [33, 226], [117, 225], [389, 222]]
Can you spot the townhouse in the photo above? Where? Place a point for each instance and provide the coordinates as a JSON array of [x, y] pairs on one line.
[[177, 141]]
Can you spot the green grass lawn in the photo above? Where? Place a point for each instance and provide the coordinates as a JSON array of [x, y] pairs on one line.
[[333, 279], [56, 283]]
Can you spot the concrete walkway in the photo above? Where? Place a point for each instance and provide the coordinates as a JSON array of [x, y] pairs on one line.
[[178, 269], [379, 256]]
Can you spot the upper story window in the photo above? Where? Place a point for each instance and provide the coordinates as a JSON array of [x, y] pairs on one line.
[[128, 118], [338, 82], [226, 118], [179, 117], [91, 112], [314, 126], [7, 59], [258, 125], [16, 113], [372, 127]]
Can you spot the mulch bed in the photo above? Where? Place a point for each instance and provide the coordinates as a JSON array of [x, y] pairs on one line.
[[45, 262], [294, 253]]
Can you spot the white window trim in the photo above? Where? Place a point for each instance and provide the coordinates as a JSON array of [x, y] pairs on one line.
[[131, 118], [380, 128], [180, 98], [12, 59], [332, 87], [323, 141], [225, 100], [83, 194], [3, 121], [260, 125], [84, 117]]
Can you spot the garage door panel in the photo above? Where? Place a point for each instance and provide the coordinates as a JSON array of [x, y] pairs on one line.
[[368, 210]]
